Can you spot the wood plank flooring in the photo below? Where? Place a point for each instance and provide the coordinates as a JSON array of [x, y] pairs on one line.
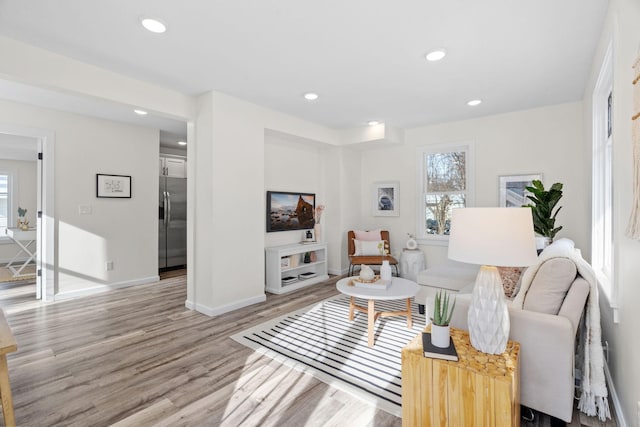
[[138, 357]]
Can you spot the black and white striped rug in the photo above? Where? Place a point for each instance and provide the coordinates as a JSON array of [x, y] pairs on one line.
[[321, 340]]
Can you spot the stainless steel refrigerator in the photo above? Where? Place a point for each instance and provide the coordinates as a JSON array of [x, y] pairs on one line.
[[172, 232]]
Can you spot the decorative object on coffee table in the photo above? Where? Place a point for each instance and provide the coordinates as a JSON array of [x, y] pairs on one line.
[[366, 272], [442, 312], [490, 237], [385, 270]]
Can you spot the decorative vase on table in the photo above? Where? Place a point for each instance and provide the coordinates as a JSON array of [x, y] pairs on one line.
[[385, 270], [317, 232]]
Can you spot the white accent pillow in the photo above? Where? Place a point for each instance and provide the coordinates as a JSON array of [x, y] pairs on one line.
[[550, 285], [368, 247]]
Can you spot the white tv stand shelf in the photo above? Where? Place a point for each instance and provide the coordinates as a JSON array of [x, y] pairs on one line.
[[287, 261]]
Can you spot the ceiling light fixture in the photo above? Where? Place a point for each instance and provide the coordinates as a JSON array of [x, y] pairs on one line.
[[310, 96], [154, 25], [373, 122], [182, 143], [436, 55], [140, 112], [474, 102]]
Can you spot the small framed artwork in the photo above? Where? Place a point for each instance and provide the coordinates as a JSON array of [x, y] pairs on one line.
[[386, 198], [513, 191], [284, 262], [113, 186]]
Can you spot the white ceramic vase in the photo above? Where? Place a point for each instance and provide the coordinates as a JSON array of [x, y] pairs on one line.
[[385, 270], [317, 232], [488, 315], [366, 273], [440, 336]]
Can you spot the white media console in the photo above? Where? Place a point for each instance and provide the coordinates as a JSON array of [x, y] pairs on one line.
[[287, 271]]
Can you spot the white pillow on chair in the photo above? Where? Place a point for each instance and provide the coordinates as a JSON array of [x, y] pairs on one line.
[[368, 248]]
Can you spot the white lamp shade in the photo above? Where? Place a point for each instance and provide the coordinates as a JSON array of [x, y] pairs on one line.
[[493, 236]]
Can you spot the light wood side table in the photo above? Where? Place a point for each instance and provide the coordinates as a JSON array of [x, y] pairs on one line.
[[7, 345], [479, 389]]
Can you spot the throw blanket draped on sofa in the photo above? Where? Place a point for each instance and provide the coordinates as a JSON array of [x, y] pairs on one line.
[[593, 399]]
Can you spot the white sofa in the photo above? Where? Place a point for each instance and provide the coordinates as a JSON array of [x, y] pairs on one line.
[[546, 335]]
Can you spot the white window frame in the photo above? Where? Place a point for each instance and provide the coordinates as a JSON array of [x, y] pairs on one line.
[[12, 186], [422, 236], [602, 200]]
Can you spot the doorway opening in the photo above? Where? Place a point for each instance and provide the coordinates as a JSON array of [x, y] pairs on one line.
[[26, 220]]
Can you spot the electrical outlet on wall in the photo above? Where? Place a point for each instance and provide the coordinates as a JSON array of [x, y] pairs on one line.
[[108, 265], [84, 209]]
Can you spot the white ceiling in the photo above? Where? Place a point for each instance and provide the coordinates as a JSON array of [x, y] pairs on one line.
[[364, 58]]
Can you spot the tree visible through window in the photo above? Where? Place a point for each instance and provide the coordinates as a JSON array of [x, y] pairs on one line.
[[445, 186]]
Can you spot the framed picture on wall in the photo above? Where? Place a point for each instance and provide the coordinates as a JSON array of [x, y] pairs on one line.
[[386, 198], [513, 192], [113, 186]]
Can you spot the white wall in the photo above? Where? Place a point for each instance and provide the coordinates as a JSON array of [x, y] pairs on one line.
[[120, 230], [230, 171], [622, 27], [545, 140], [295, 166], [25, 197]]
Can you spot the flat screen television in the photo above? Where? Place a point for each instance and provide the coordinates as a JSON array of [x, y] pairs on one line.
[[290, 211]]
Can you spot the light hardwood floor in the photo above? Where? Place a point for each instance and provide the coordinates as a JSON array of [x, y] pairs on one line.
[[137, 357]]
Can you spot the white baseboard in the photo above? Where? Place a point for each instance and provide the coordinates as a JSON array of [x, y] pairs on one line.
[[338, 272], [617, 407], [216, 311], [102, 288]]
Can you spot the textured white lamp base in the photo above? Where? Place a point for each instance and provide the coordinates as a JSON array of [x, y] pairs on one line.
[[488, 314]]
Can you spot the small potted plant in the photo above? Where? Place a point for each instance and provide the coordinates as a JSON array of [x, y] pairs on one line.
[[442, 312]]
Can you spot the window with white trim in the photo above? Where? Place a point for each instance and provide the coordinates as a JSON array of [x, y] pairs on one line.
[[445, 175], [602, 253], [6, 202]]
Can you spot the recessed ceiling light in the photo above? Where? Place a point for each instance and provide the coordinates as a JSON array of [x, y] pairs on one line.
[[373, 122], [310, 96], [140, 112], [153, 25], [182, 143], [436, 55], [474, 102]]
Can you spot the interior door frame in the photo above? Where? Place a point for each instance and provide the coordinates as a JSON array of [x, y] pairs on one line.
[[45, 247]]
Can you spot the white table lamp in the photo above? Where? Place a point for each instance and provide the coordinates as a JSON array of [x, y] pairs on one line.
[[491, 237]]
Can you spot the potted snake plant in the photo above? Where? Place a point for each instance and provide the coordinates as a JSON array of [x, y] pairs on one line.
[[442, 313]]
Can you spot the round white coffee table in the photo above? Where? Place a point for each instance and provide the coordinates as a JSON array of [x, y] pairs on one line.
[[400, 289]]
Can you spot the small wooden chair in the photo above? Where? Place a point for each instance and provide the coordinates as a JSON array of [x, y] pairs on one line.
[[356, 261]]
